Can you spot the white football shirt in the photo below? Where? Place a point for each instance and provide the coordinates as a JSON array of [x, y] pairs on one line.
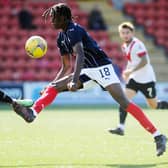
[[134, 51]]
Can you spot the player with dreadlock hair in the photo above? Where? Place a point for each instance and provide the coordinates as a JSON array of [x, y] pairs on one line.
[[91, 64], [58, 10]]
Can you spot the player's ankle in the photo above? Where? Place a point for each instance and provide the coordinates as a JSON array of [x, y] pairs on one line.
[[121, 126], [34, 112], [156, 133]]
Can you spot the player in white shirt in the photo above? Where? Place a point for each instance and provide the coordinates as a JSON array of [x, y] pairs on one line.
[[138, 75]]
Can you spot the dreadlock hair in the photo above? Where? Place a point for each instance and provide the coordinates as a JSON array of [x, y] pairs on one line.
[[60, 9]]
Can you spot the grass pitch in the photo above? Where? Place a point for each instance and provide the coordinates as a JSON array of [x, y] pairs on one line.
[[78, 138]]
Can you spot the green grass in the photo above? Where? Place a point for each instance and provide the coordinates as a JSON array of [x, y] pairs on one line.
[[78, 138]]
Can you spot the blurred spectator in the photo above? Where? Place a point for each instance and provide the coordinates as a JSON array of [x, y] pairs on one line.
[[26, 18], [95, 20]]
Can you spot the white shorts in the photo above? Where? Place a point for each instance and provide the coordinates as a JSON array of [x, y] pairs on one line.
[[103, 75]]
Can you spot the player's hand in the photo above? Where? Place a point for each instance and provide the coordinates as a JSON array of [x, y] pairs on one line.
[[72, 86]]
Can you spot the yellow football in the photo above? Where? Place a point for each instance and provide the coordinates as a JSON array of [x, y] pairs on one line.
[[36, 46]]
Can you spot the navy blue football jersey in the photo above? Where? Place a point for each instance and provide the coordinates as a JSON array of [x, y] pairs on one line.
[[94, 55]]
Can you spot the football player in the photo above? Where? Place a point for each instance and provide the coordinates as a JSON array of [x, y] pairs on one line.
[[91, 64], [139, 74]]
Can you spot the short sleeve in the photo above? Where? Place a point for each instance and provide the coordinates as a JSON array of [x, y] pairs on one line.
[[62, 49], [141, 49], [75, 35]]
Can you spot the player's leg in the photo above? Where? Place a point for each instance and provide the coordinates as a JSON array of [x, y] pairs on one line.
[[157, 104], [152, 103], [119, 130], [24, 102], [149, 90], [107, 78], [116, 91], [49, 94], [5, 98], [161, 104]]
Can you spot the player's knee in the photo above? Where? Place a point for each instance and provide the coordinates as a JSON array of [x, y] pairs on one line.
[[124, 104], [153, 105]]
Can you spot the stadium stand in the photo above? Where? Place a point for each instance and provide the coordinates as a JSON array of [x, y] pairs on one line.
[[145, 14], [114, 17], [16, 65]]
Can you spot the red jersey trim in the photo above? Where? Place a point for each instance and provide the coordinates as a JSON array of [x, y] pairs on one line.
[[129, 52], [141, 54]]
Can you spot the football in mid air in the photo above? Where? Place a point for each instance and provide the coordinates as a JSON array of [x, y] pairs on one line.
[[36, 46]]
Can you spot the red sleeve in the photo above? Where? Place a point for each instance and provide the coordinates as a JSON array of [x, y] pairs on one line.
[[141, 54]]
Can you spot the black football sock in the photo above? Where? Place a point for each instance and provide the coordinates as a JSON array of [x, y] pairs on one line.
[[5, 98], [123, 115], [162, 105]]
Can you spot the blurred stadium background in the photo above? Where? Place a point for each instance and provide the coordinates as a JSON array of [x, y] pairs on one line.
[[23, 77]]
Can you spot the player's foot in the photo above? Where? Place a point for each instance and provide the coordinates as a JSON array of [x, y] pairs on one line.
[[25, 112], [25, 102], [117, 131], [160, 144]]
